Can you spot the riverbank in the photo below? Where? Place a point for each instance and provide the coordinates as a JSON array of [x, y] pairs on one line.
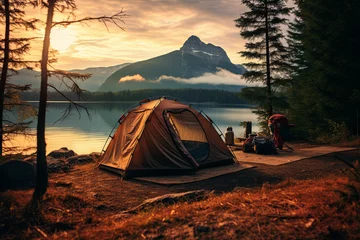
[[299, 199]]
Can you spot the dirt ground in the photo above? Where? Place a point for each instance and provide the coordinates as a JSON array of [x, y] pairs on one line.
[[86, 199], [108, 192]]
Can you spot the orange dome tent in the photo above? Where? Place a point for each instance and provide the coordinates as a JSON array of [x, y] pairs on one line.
[[164, 137]]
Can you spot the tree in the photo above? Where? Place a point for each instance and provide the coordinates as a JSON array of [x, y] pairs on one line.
[[69, 80], [297, 69], [261, 27], [325, 102], [13, 49], [297, 62]]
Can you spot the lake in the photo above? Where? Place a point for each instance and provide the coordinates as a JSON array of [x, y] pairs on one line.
[[84, 135]]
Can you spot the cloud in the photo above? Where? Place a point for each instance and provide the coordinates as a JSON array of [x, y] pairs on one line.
[[220, 77], [136, 77], [155, 27]]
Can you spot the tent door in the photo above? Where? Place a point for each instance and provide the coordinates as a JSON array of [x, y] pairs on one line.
[[190, 132]]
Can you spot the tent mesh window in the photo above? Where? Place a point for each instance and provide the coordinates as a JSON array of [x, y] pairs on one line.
[[191, 133]]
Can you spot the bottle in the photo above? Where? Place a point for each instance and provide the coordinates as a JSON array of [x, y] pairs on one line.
[[229, 136]]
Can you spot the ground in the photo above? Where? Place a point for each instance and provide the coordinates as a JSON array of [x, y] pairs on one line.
[[92, 199]]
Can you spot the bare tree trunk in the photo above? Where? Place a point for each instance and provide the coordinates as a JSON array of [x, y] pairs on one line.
[[268, 76], [42, 174], [4, 70]]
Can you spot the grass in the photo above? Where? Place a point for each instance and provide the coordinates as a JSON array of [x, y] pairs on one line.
[[304, 209], [309, 209]]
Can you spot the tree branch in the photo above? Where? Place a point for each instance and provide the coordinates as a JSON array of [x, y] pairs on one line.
[[115, 19], [71, 102]]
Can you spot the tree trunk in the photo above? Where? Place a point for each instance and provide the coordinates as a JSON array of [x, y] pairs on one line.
[[4, 71], [268, 76], [42, 174]]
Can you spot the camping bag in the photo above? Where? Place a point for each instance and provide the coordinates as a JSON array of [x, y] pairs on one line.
[[263, 145], [248, 145]]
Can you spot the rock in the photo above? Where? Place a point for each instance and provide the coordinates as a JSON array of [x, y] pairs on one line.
[[62, 153], [16, 174], [31, 159], [169, 199], [63, 184], [80, 159], [101, 207], [202, 229], [209, 52], [57, 165], [54, 165], [95, 155]]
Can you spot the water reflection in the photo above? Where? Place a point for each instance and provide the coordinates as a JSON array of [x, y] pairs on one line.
[[85, 135]]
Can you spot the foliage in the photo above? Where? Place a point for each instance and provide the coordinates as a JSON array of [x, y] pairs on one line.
[[295, 48], [13, 48], [261, 27], [16, 118], [325, 92], [256, 96], [68, 79], [336, 132]]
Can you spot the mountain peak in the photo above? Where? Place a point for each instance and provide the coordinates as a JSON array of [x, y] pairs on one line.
[[193, 38], [214, 54]]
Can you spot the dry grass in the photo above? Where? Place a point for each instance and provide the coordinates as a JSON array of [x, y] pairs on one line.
[[309, 209], [86, 203], [293, 209]]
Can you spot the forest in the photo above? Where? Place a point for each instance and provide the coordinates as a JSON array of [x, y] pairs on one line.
[[309, 72], [189, 95]]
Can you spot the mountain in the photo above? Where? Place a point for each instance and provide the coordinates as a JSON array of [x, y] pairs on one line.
[[176, 69], [99, 75], [241, 67], [208, 52]]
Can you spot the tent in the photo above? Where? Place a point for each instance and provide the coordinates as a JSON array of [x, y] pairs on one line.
[[164, 137]]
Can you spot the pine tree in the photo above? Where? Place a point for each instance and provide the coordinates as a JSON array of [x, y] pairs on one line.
[[325, 105], [297, 62], [297, 69], [68, 79], [261, 27], [13, 49]]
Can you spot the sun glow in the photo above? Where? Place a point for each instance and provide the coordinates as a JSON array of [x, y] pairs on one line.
[[61, 39]]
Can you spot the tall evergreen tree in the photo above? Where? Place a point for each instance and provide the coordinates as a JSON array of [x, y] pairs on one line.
[[13, 48], [297, 69], [297, 62], [327, 101], [261, 27]]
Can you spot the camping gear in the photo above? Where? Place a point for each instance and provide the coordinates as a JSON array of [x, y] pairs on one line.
[[264, 145], [279, 127], [164, 137], [248, 128], [248, 145], [229, 136], [260, 145]]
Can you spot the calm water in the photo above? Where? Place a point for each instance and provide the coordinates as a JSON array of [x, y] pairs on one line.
[[84, 135]]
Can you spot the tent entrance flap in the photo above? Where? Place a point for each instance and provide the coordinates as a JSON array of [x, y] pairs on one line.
[[190, 132]]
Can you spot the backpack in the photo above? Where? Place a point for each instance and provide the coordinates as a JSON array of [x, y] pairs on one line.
[[264, 145]]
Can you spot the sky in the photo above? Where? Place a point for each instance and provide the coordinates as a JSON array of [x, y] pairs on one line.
[[152, 28]]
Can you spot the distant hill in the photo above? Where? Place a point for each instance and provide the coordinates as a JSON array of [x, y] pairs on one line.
[[241, 67], [99, 75], [176, 69]]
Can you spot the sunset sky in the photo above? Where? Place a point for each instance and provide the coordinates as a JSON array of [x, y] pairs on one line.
[[153, 28]]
